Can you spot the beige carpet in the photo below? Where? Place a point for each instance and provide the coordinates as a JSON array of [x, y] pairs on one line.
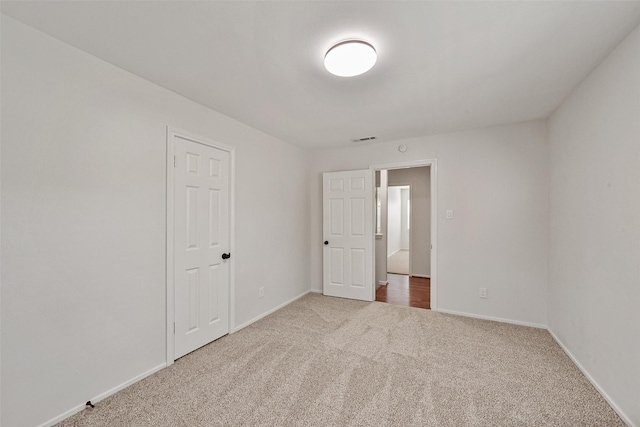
[[325, 361], [398, 263]]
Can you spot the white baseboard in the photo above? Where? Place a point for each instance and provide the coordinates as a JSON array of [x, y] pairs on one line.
[[382, 283], [495, 319], [155, 369], [393, 253], [316, 291], [255, 319], [151, 371], [600, 390], [424, 276], [593, 382], [101, 396]]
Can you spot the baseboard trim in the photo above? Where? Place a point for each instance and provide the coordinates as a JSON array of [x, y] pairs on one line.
[[101, 396], [265, 314], [607, 398], [495, 319], [316, 291], [593, 382], [424, 276], [75, 410]]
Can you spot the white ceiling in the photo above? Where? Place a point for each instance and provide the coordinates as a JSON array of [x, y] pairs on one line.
[[442, 66]]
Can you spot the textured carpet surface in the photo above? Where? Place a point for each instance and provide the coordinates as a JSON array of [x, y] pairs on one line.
[[325, 361], [398, 263]]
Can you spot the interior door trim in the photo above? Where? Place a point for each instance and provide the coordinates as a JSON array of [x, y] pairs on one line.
[[169, 247]]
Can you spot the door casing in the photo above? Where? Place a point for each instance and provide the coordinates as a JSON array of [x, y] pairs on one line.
[[170, 224]]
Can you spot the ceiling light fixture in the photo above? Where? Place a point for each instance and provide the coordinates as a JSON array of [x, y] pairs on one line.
[[350, 58]]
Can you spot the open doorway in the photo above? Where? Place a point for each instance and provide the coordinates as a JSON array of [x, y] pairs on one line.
[[403, 236], [398, 229]]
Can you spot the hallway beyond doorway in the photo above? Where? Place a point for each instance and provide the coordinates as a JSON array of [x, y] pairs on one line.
[[405, 290], [398, 263]]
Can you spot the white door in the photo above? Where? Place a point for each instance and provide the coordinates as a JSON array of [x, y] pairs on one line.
[[201, 239], [348, 234]]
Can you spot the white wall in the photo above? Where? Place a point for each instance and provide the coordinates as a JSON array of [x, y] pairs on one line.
[[594, 280], [83, 222], [420, 181], [495, 180], [394, 211]]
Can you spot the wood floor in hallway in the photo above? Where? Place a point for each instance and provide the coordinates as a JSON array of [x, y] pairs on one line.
[[405, 290]]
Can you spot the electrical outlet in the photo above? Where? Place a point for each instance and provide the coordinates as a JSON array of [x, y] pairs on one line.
[[483, 292], [261, 292]]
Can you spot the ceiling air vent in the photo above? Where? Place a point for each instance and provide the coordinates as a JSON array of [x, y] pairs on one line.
[[366, 138]]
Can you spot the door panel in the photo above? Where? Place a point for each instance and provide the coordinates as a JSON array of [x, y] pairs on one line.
[[358, 217], [201, 236], [337, 266], [348, 229], [358, 273]]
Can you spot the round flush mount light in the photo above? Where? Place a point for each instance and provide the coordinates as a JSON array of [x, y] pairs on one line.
[[350, 58]]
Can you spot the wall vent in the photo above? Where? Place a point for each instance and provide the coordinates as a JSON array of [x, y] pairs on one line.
[[366, 138]]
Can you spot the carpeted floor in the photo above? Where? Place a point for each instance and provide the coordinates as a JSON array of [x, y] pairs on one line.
[[325, 361], [398, 262]]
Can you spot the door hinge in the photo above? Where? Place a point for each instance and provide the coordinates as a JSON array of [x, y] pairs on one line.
[[174, 161], [174, 328]]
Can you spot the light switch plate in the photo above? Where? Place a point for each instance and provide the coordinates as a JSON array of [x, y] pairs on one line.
[[449, 213]]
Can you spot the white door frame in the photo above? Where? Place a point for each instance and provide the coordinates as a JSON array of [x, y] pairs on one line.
[[170, 254], [433, 169]]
